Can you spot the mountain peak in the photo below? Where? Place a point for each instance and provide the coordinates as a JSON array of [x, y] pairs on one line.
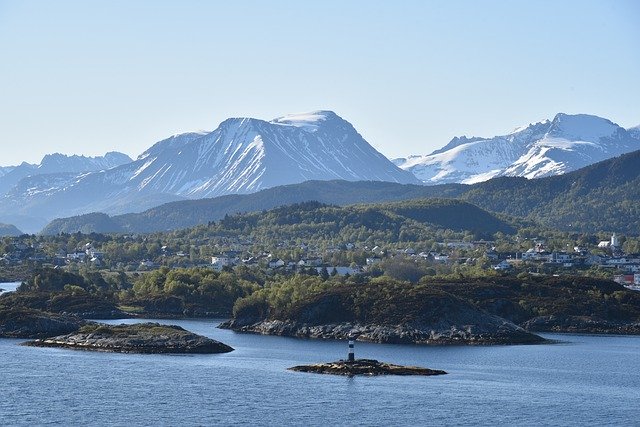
[[309, 121], [550, 147], [581, 126]]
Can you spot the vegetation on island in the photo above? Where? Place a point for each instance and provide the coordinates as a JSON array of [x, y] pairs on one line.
[[384, 300]]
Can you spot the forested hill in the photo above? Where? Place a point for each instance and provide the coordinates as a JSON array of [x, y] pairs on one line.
[[184, 214], [601, 197], [406, 221]]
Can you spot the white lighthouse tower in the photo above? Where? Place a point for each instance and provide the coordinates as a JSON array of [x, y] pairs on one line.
[[615, 241]]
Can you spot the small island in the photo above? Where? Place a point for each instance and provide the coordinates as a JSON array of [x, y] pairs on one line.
[[149, 338], [368, 367]]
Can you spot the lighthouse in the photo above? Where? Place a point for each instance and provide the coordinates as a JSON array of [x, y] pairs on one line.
[[615, 241], [351, 357]]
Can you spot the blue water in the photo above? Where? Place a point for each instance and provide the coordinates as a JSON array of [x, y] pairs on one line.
[[8, 287], [586, 380]]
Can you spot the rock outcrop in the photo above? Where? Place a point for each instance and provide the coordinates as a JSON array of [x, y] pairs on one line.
[[580, 324], [137, 338], [368, 367], [27, 323], [470, 334]]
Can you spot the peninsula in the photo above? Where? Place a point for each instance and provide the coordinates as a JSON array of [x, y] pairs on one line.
[[393, 313]]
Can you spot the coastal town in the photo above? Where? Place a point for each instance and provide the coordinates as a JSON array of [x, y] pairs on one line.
[[137, 253]]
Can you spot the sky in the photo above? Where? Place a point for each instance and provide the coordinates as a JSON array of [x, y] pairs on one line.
[[87, 77]]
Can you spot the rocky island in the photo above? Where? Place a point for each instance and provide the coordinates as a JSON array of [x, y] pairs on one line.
[[137, 338], [384, 313], [369, 367]]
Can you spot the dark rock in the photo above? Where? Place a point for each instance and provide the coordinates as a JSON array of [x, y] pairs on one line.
[[27, 323], [580, 324], [367, 367], [137, 338], [504, 333]]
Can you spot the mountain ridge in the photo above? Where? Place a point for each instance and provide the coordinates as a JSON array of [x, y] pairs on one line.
[[242, 155], [551, 147], [607, 193]]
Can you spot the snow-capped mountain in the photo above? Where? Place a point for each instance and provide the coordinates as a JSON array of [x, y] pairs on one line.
[[551, 147], [242, 155], [246, 155], [59, 163]]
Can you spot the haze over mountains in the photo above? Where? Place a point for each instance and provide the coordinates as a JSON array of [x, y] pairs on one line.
[[550, 147], [601, 197], [242, 155], [245, 155]]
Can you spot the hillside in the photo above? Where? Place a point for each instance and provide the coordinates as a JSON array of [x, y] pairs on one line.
[[388, 311], [392, 222], [381, 311], [9, 230], [189, 213], [601, 197]]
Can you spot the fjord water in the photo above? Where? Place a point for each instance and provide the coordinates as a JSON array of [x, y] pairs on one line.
[[8, 287], [585, 380]]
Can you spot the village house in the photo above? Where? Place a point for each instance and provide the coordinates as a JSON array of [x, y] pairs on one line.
[[503, 265], [221, 261]]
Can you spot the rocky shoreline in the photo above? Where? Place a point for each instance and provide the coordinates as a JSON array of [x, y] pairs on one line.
[[148, 338], [28, 323], [367, 367], [580, 325], [400, 334]]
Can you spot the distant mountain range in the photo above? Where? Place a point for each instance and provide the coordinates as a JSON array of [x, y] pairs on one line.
[[20, 183], [56, 164], [9, 230], [601, 197], [243, 155], [552, 147]]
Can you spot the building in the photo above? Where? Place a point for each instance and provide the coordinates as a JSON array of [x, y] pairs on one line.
[[504, 265], [615, 241], [220, 262]]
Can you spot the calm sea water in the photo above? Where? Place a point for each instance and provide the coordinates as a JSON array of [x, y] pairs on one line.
[[8, 287], [586, 380]]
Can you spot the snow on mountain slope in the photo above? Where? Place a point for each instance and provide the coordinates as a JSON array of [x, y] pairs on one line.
[[242, 155], [566, 143], [634, 132], [59, 163], [5, 170]]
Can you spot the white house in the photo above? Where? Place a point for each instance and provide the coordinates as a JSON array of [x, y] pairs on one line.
[[220, 262], [504, 265]]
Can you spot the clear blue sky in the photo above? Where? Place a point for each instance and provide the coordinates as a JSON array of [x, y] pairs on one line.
[[87, 77]]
